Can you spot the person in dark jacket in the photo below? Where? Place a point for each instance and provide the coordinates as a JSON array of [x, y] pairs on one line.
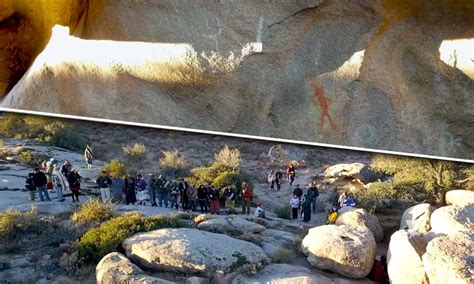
[[279, 179], [104, 182], [130, 197], [306, 204], [291, 172], [40, 180], [313, 194], [151, 189], [230, 196], [66, 168], [30, 186], [74, 180], [183, 192], [298, 191], [162, 191], [214, 196], [202, 197]]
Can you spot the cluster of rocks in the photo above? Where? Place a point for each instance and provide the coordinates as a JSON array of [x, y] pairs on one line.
[[351, 177], [435, 245]]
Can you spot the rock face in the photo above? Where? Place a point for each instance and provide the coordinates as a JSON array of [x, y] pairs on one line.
[[450, 259], [349, 251], [116, 268], [191, 251], [405, 265], [285, 273], [453, 219], [230, 225], [325, 200], [275, 240], [344, 170], [459, 197], [417, 218], [352, 67], [361, 217]]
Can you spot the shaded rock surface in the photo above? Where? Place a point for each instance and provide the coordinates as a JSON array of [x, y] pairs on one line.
[[360, 73], [191, 250], [360, 217], [405, 265], [450, 259], [276, 240], [347, 250]]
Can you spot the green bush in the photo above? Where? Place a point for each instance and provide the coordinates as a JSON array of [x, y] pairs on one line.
[[92, 212], [106, 238], [371, 197], [15, 224], [218, 175], [284, 212], [114, 168], [174, 164], [31, 158]]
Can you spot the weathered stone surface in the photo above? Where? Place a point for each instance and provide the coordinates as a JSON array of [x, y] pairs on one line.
[[339, 60], [360, 217], [231, 225], [417, 218], [452, 219], [191, 250], [275, 240], [116, 268], [459, 197], [344, 170], [404, 258], [450, 259], [285, 273], [347, 250]]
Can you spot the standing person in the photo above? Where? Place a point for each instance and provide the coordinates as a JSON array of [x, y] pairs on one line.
[[229, 195], [306, 204], [272, 179], [279, 179], [88, 156], [313, 194], [151, 189], [298, 192], [202, 198], [40, 180], [183, 193], [247, 196], [129, 187], [291, 171], [74, 180], [141, 187], [192, 198], [214, 200], [118, 186], [295, 205], [66, 168], [30, 186], [162, 191], [174, 194], [104, 182]]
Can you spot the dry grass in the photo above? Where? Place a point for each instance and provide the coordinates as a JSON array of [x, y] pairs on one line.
[[282, 256]]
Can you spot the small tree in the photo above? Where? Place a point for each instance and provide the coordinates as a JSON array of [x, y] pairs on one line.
[[114, 168], [135, 154], [228, 157], [173, 163], [435, 176]]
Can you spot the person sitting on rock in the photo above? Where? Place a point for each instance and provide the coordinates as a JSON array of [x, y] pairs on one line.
[[379, 272], [350, 201], [332, 216], [342, 199], [259, 211]]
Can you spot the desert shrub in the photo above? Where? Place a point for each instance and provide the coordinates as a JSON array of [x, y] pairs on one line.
[[284, 212], [174, 164], [277, 153], [201, 218], [92, 212], [135, 153], [10, 124], [114, 167], [281, 256], [228, 157], [250, 237], [65, 137], [106, 238], [15, 224], [31, 158]]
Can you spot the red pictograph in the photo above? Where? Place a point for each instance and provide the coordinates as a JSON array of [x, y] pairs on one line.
[[323, 101]]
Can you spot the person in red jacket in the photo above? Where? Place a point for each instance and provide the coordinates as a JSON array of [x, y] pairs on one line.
[[379, 272], [247, 196]]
